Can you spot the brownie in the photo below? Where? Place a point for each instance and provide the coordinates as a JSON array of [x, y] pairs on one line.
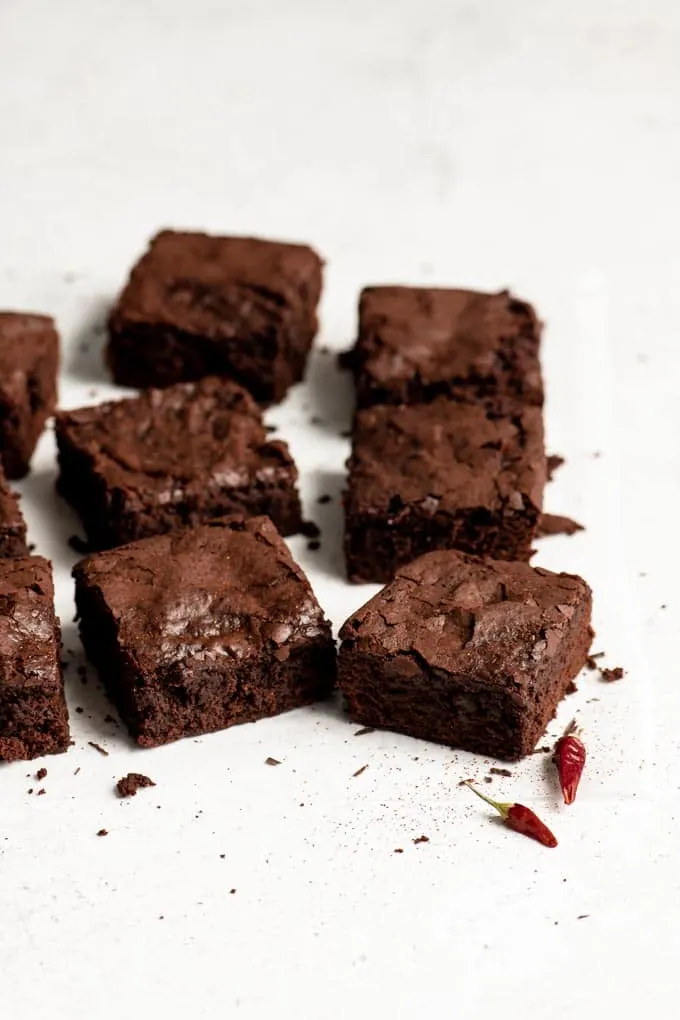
[[236, 306], [439, 476], [202, 628], [29, 362], [143, 466], [33, 715], [417, 343], [472, 653], [12, 524]]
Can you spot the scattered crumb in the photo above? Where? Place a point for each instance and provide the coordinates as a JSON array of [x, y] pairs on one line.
[[40, 774], [79, 545], [465, 782], [310, 530], [30, 790], [359, 771], [500, 772], [399, 850], [664, 605], [554, 524], [553, 462], [99, 748], [313, 546], [79, 709], [271, 428], [133, 781], [110, 719], [591, 661], [103, 832], [324, 499], [609, 675], [232, 891], [542, 750], [572, 688], [77, 771], [364, 729], [581, 917], [421, 839], [41, 792], [272, 761], [31, 547], [488, 779]]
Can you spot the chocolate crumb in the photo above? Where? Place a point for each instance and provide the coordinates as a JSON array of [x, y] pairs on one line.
[[271, 428], [399, 850], [77, 771], [324, 499], [272, 761], [32, 547], [609, 675], [553, 462], [41, 792], [554, 524], [364, 729], [421, 839], [133, 781], [103, 832], [232, 891], [79, 545], [79, 710], [500, 772], [542, 750], [359, 771], [488, 779], [313, 546], [591, 661], [99, 748], [581, 917], [30, 789], [222, 856], [572, 688], [40, 774], [310, 530]]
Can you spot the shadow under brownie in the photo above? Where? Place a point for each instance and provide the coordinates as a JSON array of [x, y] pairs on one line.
[[439, 476], [203, 628], [178, 456], [12, 523], [472, 653]]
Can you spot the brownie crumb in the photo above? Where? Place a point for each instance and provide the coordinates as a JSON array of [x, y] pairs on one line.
[[103, 832], [99, 748], [609, 675], [79, 545], [313, 546], [572, 688], [359, 771], [553, 462], [591, 661], [77, 771], [309, 529], [133, 781], [399, 850], [488, 779], [324, 499], [30, 790], [79, 709], [32, 547], [271, 429], [500, 772], [421, 839], [554, 524], [231, 892], [364, 729], [542, 750], [272, 761], [41, 792], [40, 774], [581, 917]]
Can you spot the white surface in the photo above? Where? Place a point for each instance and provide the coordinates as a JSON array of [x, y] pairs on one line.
[[535, 145]]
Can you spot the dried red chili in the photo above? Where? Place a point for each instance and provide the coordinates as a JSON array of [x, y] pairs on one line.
[[570, 759], [520, 818]]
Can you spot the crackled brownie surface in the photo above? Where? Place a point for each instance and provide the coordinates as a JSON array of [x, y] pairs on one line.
[[416, 343], [199, 305], [203, 628], [468, 652], [138, 467]]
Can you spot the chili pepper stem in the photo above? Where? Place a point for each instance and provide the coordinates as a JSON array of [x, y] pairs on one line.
[[502, 808]]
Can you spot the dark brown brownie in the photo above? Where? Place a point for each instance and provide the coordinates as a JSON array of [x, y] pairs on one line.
[[417, 343], [29, 362], [439, 476], [139, 467], [203, 628], [33, 715], [468, 652], [236, 306], [12, 523]]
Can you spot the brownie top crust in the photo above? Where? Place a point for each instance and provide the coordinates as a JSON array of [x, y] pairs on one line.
[[496, 621], [10, 514], [202, 284], [190, 434], [446, 455], [28, 656], [23, 339], [228, 588], [448, 336]]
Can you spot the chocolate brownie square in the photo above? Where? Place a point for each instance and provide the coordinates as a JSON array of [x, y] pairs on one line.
[[33, 715], [29, 362], [472, 653], [440, 476], [235, 306], [417, 343], [12, 523], [203, 628], [142, 466]]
